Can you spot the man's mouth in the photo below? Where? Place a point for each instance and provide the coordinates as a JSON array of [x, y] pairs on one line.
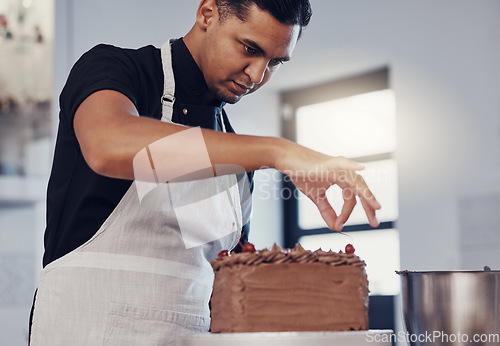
[[241, 89]]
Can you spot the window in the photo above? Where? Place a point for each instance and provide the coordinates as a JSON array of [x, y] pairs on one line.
[[361, 127], [355, 118]]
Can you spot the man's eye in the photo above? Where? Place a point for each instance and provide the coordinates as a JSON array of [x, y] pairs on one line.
[[250, 50], [275, 62]]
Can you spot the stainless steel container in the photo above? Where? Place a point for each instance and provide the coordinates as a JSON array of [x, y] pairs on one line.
[[451, 307]]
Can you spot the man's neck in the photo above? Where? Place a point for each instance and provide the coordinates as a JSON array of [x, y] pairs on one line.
[[192, 42]]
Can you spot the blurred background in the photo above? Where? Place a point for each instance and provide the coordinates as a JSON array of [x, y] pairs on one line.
[[408, 88]]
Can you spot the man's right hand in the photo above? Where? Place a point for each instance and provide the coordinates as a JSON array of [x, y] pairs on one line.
[[313, 173]]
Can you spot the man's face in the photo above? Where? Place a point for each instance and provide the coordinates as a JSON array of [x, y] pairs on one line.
[[237, 58]]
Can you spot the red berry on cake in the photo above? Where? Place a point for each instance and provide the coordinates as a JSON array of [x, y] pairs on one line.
[[349, 249], [249, 247], [223, 253]]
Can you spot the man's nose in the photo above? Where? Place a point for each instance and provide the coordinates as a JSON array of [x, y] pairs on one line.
[[256, 70]]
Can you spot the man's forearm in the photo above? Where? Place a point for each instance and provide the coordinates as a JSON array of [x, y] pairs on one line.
[[185, 153]]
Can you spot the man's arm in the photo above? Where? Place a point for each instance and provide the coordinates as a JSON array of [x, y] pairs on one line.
[[111, 133]]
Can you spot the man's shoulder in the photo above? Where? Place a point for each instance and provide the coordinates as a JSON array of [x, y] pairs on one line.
[[109, 61], [135, 73], [109, 50]]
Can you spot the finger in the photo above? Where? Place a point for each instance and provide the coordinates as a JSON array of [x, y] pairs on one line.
[[327, 212], [368, 200], [368, 196], [347, 208], [364, 193], [370, 213]]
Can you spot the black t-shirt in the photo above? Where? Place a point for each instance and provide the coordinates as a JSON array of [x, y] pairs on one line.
[[78, 199]]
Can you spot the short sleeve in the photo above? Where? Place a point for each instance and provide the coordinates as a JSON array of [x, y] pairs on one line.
[[104, 67]]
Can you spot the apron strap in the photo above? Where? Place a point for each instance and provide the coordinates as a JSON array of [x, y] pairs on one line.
[[226, 125], [168, 98]]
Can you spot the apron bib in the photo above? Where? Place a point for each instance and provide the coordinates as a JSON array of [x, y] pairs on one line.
[[145, 277]]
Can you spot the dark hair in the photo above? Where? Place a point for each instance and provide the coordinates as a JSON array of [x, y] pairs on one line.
[[290, 12]]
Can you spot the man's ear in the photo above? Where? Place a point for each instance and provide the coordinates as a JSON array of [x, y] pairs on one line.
[[206, 14]]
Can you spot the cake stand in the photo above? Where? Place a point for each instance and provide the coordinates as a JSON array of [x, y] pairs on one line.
[[350, 338]]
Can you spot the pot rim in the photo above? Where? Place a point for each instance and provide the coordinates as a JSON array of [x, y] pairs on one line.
[[407, 272]]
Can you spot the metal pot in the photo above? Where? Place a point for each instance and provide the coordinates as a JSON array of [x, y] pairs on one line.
[[451, 307]]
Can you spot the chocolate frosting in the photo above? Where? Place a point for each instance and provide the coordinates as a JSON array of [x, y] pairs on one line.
[[296, 255], [282, 290]]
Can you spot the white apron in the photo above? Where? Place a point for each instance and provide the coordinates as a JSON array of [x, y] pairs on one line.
[[136, 281]]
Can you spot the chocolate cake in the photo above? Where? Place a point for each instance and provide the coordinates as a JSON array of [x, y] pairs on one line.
[[289, 290]]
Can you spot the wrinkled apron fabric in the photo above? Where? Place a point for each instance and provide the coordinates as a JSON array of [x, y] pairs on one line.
[[136, 282]]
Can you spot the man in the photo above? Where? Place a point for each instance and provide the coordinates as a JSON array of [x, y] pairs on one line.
[[146, 184]]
